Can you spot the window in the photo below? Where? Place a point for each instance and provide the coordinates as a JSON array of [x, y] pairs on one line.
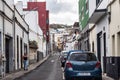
[[93, 46], [87, 5], [83, 57], [98, 1], [113, 45]]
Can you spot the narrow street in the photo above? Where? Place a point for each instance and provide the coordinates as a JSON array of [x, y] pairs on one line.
[[50, 70]]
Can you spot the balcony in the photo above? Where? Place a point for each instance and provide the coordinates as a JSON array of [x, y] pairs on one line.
[[97, 15]]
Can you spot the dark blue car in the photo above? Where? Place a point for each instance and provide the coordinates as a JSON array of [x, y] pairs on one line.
[[81, 65]]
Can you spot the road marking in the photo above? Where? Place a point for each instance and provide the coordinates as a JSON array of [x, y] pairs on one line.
[[63, 76], [63, 73]]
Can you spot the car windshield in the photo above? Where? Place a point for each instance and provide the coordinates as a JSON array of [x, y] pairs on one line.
[[82, 57]]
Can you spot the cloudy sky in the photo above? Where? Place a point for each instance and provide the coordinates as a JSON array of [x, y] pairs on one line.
[[61, 11]]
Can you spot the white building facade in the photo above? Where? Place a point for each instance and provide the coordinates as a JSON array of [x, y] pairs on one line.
[[35, 34], [99, 29], [13, 38], [6, 37], [21, 39], [113, 59]]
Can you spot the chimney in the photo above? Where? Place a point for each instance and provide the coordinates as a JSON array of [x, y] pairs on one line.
[[19, 7]]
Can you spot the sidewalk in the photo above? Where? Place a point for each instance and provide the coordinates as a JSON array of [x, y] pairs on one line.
[[106, 77], [12, 76]]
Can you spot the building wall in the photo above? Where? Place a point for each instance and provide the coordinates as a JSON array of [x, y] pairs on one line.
[[21, 33], [83, 13], [41, 8], [99, 34], [115, 29], [102, 27], [92, 7], [35, 32], [9, 30], [10, 3], [6, 32], [93, 39], [1, 5]]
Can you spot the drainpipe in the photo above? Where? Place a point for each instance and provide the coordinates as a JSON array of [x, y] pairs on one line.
[[111, 3], [28, 43], [14, 36], [3, 52]]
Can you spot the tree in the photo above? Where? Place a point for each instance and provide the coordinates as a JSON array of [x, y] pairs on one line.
[[33, 44]]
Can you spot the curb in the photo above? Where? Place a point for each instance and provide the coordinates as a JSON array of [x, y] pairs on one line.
[[22, 72], [107, 77]]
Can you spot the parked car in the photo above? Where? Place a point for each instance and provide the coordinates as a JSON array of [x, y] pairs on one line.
[[82, 65], [71, 51], [63, 57]]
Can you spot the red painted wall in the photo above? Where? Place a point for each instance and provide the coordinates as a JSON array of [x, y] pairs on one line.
[[43, 14]]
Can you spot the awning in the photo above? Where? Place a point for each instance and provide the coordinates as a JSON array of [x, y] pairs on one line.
[[97, 15]]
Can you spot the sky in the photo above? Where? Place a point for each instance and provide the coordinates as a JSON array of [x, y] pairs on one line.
[[61, 11]]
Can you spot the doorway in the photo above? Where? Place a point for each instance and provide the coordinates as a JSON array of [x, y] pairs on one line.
[[21, 50], [101, 49], [99, 46], [104, 57], [8, 53]]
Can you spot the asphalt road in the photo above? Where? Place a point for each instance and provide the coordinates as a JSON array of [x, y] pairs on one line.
[[49, 70]]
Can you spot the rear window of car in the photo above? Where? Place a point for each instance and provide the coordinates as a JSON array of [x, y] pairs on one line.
[[82, 57]]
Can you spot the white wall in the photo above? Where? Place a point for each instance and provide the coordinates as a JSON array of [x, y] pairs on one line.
[[32, 21], [115, 27], [8, 12], [35, 30], [92, 7], [1, 5], [18, 32], [93, 38], [19, 7], [10, 3], [100, 26], [22, 34], [8, 28]]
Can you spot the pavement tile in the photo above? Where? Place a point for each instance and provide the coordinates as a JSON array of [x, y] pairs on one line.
[[107, 78]]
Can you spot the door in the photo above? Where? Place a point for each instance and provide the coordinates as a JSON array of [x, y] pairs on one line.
[[21, 50], [7, 49], [99, 46]]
